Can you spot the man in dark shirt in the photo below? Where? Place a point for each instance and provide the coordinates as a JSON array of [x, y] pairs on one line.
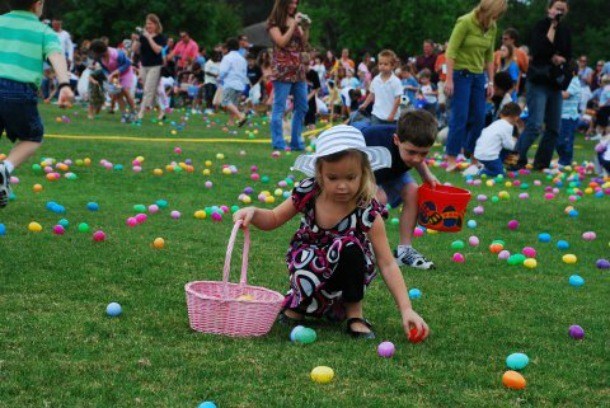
[[551, 49], [428, 60], [409, 144]]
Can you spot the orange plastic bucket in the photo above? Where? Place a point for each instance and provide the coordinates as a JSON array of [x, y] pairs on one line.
[[442, 208]]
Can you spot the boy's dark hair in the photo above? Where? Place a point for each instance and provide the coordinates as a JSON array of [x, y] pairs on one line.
[[503, 81], [232, 44], [512, 33], [418, 127], [98, 47], [510, 109], [573, 67], [21, 4]]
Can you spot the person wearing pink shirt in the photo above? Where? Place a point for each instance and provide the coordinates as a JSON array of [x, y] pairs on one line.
[[185, 51]]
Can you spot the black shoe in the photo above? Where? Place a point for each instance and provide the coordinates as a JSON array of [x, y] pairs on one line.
[[242, 122], [5, 188], [357, 334], [288, 321]]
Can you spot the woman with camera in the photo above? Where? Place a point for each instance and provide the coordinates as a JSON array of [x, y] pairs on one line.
[[289, 32], [551, 50], [150, 45]]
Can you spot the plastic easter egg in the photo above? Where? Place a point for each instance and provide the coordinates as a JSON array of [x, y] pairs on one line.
[[473, 241], [114, 309], [413, 337], [394, 221], [517, 361], [602, 264], [175, 214], [471, 224], [576, 281], [458, 244], [207, 404], [529, 252], [513, 380], [141, 218], [569, 259], [294, 331], [37, 188], [513, 225], [589, 235], [530, 263], [131, 222], [99, 236], [386, 349], [159, 243], [516, 259], [59, 230], [200, 214], [417, 232], [544, 237], [93, 206], [2, 230], [504, 255], [34, 226], [64, 223], [306, 336], [162, 203], [576, 332], [458, 258], [220, 156], [157, 172], [153, 208], [478, 210], [216, 216], [414, 293], [495, 248], [563, 245], [83, 227], [322, 374]]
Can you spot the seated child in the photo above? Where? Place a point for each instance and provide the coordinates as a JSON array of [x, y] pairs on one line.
[[341, 238], [603, 154], [496, 140]]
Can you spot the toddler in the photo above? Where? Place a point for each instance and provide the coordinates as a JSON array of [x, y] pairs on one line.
[[385, 91]]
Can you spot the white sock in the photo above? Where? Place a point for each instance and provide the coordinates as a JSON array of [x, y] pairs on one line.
[[402, 248], [9, 166]]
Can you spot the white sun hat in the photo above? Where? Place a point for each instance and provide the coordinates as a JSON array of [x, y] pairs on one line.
[[340, 138]]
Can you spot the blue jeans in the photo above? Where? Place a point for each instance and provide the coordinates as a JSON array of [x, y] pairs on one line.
[[281, 90], [565, 143], [467, 117], [544, 105]]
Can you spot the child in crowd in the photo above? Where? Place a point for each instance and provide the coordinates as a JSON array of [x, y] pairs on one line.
[[21, 61], [427, 91], [97, 96], [385, 91], [569, 119], [234, 78], [409, 83], [496, 140], [164, 93], [211, 69], [313, 88], [603, 154], [603, 112], [333, 254], [409, 144]]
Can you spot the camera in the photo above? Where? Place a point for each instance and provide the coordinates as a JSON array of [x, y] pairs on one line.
[[558, 17], [305, 20], [139, 30]]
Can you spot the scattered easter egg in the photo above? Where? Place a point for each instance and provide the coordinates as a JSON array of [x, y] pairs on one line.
[[576, 332], [513, 380], [207, 404], [83, 227], [2, 230], [175, 214], [141, 218], [513, 225], [414, 293], [517, 361], [576, 281], [322, 374], [37, 188], [200, 215], [99, 236], [544, 237], [131, 222], [458, 258], [413, 337], [93, 206], [159, 243], [458, 244], [114, 309], [140, 208], [34, 226], [589, 236], [294, 331], [306, 336], [516, 259], [386, 349], [530, 263], [479, 210], [473, 241], [471, 224], [64, 223], [496, 248], [417, 232], [504, 254], [529, 252], [153, 208], [602, 264], [569, 258], [59, 229], [563, 245]]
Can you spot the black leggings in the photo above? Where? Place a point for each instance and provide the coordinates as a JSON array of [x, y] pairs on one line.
[[348, 276]]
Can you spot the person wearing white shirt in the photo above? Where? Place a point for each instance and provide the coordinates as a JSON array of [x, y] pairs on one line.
[[234, 78], [496, 140], [385, 91], [65, 40]]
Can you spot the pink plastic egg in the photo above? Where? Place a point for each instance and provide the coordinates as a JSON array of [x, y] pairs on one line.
[[175, 214], [99, 236], [458, 258], [141, 218], [513, 225], [504, 254], [131, 222], [473, 241], [153, 208], [59, 230], [529, 252]]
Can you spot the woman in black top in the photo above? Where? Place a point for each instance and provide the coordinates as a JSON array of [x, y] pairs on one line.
[[149, 46], [551, 49]]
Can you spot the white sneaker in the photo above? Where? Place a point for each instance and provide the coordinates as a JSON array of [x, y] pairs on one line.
[[411, 257], [596, 137], [5, 188], [472, 170]]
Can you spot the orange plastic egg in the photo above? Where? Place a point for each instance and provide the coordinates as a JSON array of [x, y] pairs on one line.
[[513, 380]]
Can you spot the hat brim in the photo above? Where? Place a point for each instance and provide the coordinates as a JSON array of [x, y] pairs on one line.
[[379, 157]]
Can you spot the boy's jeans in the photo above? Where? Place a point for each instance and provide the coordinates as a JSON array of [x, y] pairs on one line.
[[281, 90], [565, 142]]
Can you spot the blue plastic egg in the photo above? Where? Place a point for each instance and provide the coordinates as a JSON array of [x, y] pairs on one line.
[[573, 213], [64, 223], [92, 206], [294, 332], [517, 361], [544, 237], [562, 245], [471, 224], [113, 309], [2, 230], [207, 404], [576, 281], [414, 293]]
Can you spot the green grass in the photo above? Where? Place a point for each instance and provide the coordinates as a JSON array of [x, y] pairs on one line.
[[58, 348]]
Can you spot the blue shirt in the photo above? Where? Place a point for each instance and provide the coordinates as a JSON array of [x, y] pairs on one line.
[[569, 108], [234, 71], [383, 135], [412, 82]]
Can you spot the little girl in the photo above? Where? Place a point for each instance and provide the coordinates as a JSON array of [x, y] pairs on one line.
[[332, 255]]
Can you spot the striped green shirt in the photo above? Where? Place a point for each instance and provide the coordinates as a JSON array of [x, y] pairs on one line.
[[25, 43]]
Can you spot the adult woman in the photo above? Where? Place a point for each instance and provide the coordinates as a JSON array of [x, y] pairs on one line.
[[119, 73], [551, 48], [150, 46], [508, 63], [289, 33], [469, 55]]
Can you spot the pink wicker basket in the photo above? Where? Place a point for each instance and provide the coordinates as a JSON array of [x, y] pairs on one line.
[[232, 309]]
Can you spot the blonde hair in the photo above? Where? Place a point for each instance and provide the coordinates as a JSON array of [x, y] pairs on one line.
[[155, 20], [488, 11], [388, 54], [368, 187]]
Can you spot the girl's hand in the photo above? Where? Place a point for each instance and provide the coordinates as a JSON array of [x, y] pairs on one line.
[[432, 180], [410, 319], [449, 87], [490, 91], [244, 215]]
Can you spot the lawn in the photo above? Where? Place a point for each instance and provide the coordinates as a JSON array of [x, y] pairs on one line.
[[58, 348]]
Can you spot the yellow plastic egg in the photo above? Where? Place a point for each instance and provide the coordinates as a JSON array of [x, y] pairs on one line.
[[206, 172], [588, 190], [270, 199], [169, 168], [431, 231], [226, 170], [87, 161], [220, 156], [278, 192], [569, 258], [158, 172], [173, 132], [504, 195], [200, 215], [322, 374], [37, 188], [568, 209], [208, 163], [140, 159], [247, 200], [530, 263], [159, 243], [489, 183], [34, 226], [508, 184]]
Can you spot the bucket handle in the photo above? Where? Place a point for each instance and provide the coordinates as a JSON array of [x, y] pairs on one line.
[[244, 260]]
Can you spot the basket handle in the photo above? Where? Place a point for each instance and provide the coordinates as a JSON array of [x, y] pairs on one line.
[[244, 260]]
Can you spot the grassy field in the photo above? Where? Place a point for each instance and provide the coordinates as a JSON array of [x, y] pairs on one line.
[[58, 348]]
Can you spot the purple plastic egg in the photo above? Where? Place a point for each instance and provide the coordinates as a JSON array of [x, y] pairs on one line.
[[175, 214], [602, 264], [386, 349], [504, 255], [576, 332], [513, 225]]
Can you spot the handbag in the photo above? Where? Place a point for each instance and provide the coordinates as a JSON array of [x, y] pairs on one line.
[[557, 75]]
